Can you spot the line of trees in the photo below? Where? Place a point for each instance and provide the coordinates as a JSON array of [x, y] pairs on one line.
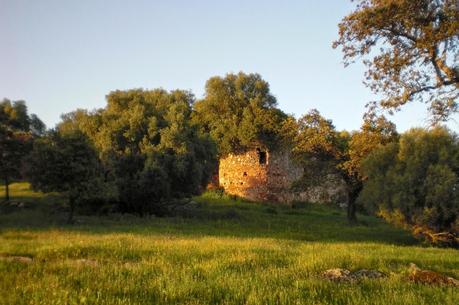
[[148, 148], [141, 152], [411, 180]]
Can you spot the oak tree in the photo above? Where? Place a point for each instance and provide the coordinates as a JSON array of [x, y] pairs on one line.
[[411, 50]]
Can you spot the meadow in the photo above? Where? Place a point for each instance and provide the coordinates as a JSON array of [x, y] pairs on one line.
[[222, 251]]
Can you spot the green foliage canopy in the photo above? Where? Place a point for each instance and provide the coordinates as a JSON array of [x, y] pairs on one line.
[[65, 163], [239, 111], [148, 146], [323, 151], [415, 181]]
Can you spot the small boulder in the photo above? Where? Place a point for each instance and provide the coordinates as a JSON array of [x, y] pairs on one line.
[[369, 274], [337, 274], [344, 275]]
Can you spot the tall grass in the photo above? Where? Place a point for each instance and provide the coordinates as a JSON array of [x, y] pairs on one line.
[[223, 252]]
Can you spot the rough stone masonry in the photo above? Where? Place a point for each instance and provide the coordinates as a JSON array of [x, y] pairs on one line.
[[262, 175]]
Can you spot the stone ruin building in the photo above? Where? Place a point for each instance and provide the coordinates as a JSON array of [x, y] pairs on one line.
[[262, 175]]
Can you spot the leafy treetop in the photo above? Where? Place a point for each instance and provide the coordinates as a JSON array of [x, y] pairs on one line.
[[324, 151], [414, 180], [239, 111], [411, 49]]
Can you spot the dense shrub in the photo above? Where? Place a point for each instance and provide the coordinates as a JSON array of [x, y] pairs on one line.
[[415, 182]]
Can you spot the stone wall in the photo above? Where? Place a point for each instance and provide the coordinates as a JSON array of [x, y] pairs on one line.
[[260, 175]]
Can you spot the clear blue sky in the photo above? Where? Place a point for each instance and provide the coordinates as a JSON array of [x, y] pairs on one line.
[[62, 55]]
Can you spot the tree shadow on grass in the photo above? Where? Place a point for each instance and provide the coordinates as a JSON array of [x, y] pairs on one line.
[[309, 223]]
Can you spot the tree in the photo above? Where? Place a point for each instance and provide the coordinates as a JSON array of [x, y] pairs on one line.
[[14, 115], [14, 146], [375, 132], [148, 147], [323, 151], [415, 181], [238, 110], [411, 50], [37, 127], [65, 163], [17, 130]]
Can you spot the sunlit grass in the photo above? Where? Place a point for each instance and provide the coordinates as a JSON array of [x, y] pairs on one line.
[[20, 191], [225, 252]]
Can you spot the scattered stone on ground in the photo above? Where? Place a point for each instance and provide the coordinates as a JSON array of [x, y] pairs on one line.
[[18, 259], [87, 262], [419, 275], [337, 274], [416, 275], [344, 275], [370, 274]]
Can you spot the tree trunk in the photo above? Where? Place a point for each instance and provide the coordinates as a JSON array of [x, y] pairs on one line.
[[351, 212], [72, 210], [351, 205], [7, 189]]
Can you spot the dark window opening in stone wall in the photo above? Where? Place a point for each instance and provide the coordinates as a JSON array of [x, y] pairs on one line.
[[261, 156]]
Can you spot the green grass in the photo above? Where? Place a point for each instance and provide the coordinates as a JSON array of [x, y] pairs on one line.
[[223, 252]]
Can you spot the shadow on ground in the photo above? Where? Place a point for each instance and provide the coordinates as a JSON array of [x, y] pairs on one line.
[[219, 218]]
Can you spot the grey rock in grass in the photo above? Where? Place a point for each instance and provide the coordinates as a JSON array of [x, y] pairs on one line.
[[337, 274], [344, 275], [369, 274]]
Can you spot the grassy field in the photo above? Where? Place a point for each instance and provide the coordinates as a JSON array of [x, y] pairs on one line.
[[221, 252]]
